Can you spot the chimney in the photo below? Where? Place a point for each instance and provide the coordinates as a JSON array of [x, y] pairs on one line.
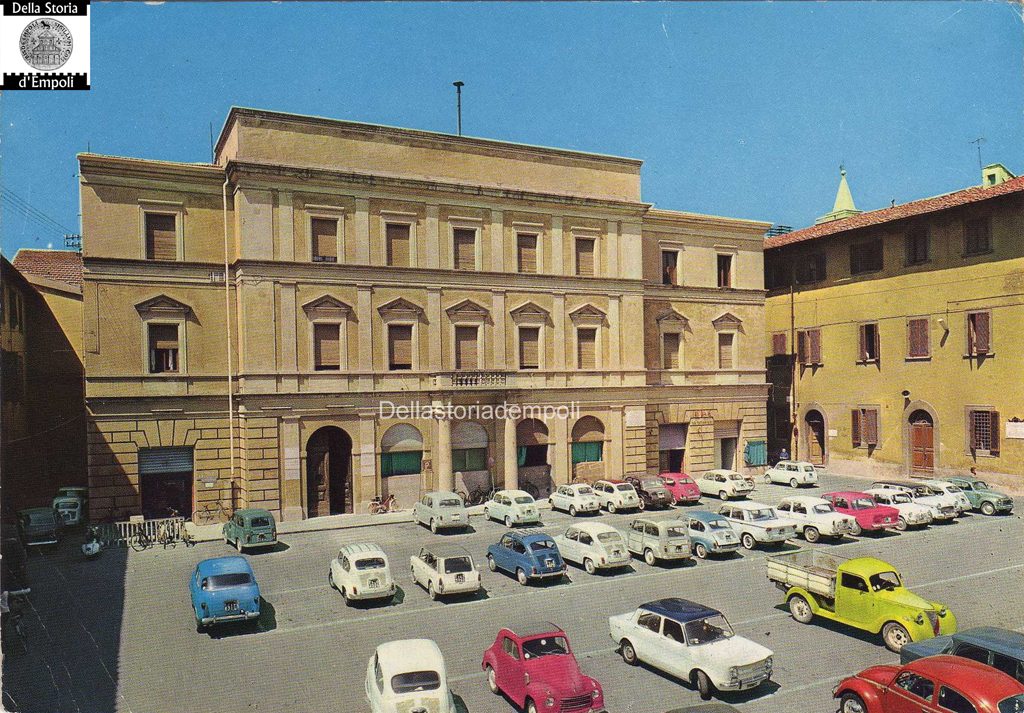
[[994, 174]]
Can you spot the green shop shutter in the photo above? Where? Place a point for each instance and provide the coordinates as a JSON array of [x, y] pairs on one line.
[[404, 463], [165, 460], [589, 452], [755, 453]]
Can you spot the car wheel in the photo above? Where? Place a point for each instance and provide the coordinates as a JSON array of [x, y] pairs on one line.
[[748, 541], [431, 591], [901, 524], [572, 511], [531, 707], [491, 564], [492, 681], [800, 609], [649, 557], [487, 514], [433, 525], [200, 629], [588, 564], [895, 636], [330, 579], [851, 703], [508, 521], [628, 652], [855, 529], [521, 576], [642, 506], [344, 594], [793, 483], [701, 551], [723, 496], [988, 508], [767, 479], [703, 684], [811, 534]]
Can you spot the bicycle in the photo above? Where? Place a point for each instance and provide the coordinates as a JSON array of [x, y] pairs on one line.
[[11, 618], [142, 540], [379, 507], [475, 497], [211, 513]]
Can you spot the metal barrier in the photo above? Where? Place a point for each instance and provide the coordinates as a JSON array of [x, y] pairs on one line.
[[118, 534]]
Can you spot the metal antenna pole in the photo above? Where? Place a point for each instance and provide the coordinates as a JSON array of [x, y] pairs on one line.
[[458, 101], [978, 142]]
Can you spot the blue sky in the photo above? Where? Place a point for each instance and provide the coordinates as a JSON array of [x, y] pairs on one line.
[[740, 109]]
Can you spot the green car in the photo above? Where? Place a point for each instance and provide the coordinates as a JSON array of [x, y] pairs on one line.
[[982, 497], [251, 528]]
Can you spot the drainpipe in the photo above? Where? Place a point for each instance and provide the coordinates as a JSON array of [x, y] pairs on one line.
[[794, 442], [227, 321]]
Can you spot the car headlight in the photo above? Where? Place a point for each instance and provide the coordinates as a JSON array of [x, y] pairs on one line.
[[943, 611], [734, 673], [549, 701], [920, 619]]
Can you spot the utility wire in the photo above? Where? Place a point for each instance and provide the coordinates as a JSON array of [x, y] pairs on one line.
[[28, 208]]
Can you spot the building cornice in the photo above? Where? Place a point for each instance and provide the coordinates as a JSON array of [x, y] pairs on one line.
[[91, 164]]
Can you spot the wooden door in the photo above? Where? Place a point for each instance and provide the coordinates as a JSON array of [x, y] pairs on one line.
[[922, 447], [815, 440]]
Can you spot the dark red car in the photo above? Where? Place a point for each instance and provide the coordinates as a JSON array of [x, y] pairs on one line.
[[936, 684], [681, 486], [534, 666], [865, 510]]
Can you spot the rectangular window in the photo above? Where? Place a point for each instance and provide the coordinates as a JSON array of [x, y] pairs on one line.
[[918, 342], [866, 257], [808, 345], [466, 348], [527, 252], [163, 348], [585, 256], [725, 270], [778, 272], [399, 347], [977, 236], [870, 347], [529, 347], [983, 427], [725, 344], [979, 333], [917, 245], [669, 266], [779, 344], [399, 241], [586, 348], [810, 269], [469, 459], [327, 347], [864, 429], [401, 463], [465, 249], [161, 236], [670, 350], [325, 239]]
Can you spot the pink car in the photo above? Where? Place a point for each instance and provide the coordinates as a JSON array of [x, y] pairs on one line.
[[682, 487], [869, 515], [534, 666]]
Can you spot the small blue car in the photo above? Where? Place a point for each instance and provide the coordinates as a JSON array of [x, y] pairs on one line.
[[224, 589], [709, 533], [526, 554]]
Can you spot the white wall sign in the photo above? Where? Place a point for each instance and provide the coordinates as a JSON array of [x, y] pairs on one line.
[[1015, 429], [635, 417], [291, 464]]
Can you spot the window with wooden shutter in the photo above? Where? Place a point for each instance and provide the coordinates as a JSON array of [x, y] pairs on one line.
[[399, 347], [527, 252], [779, 343], [809, 269], [466, 348], [870, 425], [869, 342], [917, 245], [163, 348], [670, 350], [585, 256], [977, 238], [983, 426], [802, 344], [669, 266], [529, 347], [399, 240], [465, 248], [325, 239], [814, 346], [586, 348], [866, 257], [918, 338], [855, 428], [326, 347], [979, 333], [994, 425], [161, 236], [725, 270], [725, 343]]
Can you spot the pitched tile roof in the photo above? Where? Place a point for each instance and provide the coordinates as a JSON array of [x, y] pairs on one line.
[[60, 265], [975, 194]]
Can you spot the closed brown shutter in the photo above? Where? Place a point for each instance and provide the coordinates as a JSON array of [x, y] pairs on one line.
[[586, 348], [802, 347], [466, 348], [465, 249], [529, 347], [725, 351], [398, 244], [161, 236], [325, 239], [326, 347], [871, 427], [779, 343], [863, 342], [527, 253], [814, 337], [980, 332], [163, 336], [584, 256], [671, 349], [994, 426], [855, 428], [972, 430], [400, 346], [919, 346]]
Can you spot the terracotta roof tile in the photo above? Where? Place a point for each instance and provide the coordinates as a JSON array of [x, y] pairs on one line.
[[61, 265]]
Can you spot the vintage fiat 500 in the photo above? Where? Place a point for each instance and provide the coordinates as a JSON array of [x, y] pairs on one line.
[[815, 517], [513, 507], [408, 676], [575, 498], [682, 487], [911, 514], [982, 496], [652, 492], [441, 510], [617, 495], [656, 540], [724, 484], [692, 642], [534, 666], [593, 545], [224, 589], [39, 526], [943, 506], [72, 504], [867, 514], [360, 571], [793, 473], [709, 533], [250, 528], [756, 522], [444, 571], [527, 555]]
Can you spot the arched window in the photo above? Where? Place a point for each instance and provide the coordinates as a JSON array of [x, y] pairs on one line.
[[587, 440], [401, 451], [469, 447]]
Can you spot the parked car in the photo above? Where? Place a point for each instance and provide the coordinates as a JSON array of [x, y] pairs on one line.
[[692, 642], [73, 491], [757, 523], [709, 533], [593, 545], [71, 511], [574, 499], [982, 497], [724, 484], [867, 514], [1001, 649], [360, 572], [527, 555], [39, 526], [513, 507], [652, 492], [250, 528], [943, 506], [534, 667], [441, 510], [224, 589], [911, 514], [863, 592], [617, 495], [444, 570], [938, 684], [793, 473], [682, 487], [408, 675], [963, 503], [816, 518], [656, 540]]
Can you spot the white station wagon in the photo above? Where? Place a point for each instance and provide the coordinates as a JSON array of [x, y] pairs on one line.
[[574, 499], [593, 545], [815, 517], [617, 495], [444, 570], [792, 472], [408, 675], [755, 522], [658, 540], [441, 510], [724, 484], [360, 571], [513, 507]]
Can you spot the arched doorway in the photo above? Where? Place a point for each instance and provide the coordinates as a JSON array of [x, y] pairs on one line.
[[532, 457], [814, 428], [588, 449], [328, 472], [401, 463], [922, 442]]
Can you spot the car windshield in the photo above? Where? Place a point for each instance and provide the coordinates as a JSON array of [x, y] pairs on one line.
[[807, 468], [584, 490], [450, 503], [651, 484], [542, 545], [674, 532], [623, 486], [370, 563], [719, 525], [863, 504], [415, 681], [762, 514], [260, 522], [609, 537], [823, 508], [953, 489], [40, 518], [226, 581], [69, 505], [524, 500], [900, 498], [980, 485], [454, 565], [1013, 704], [669, 481], [884, 580], [706, 631], [548, 646], [736, 476]]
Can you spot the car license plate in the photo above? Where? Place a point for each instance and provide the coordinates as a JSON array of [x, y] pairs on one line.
[[373, 583], [460, 578], [231, 605], [456, 517], [549, 563]]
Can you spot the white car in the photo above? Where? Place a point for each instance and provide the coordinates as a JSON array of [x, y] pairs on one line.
[[617, 495], [575, 498], [942, 487], [441, 510], [911, 514], [593, 545], [724, 484], [513, 507], [943, 506], [792, 472], [815, 517], [755, 522], [445, 570], [406, 676], [361, 571], [691, 642]]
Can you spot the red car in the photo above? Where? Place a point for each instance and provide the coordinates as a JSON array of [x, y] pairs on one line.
[[535, 668], [865, 510], [682, 487], [936, 684]]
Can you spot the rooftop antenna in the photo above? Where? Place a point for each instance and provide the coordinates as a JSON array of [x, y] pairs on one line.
[[458, 101], [213, 159], [978, 142]]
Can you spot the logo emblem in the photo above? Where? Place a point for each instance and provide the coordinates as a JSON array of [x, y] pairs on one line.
[[46, 44]]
